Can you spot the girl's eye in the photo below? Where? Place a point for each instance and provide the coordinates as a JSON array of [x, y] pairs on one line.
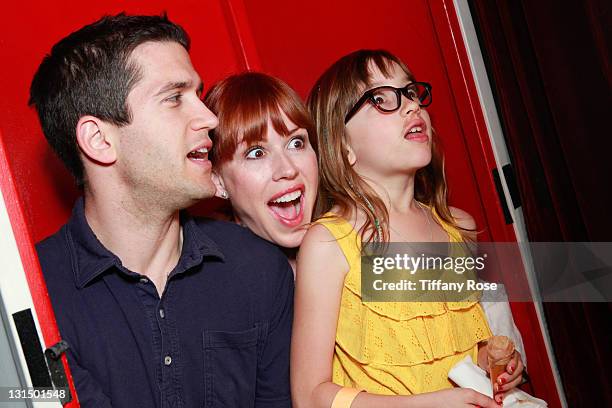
[[255, 152], [297, 143], [412, 94], [383, 97]]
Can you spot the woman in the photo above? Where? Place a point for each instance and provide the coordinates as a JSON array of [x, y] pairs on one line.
[[382, 180], [264, 157]]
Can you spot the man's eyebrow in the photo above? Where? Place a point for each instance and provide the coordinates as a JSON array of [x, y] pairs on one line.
[[178, 85]]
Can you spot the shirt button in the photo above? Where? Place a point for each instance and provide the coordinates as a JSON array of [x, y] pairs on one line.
[[167, 360], [162, 314], [144, 280]]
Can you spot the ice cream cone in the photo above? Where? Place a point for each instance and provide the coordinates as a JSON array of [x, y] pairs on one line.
[[499, 353]]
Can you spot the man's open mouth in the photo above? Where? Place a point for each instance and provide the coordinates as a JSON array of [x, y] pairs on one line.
[[200, 154]]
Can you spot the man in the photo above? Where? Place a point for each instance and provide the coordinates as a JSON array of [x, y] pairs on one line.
[[159, 309]]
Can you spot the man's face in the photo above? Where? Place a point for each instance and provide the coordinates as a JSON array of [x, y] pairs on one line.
[[163, 152]]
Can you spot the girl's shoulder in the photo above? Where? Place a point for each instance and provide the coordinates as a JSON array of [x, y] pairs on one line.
[[341, 225], [329, 226], [463, 226], [322, 252], [463, 218]]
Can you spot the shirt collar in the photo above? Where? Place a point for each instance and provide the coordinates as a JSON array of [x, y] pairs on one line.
[[90, 257]]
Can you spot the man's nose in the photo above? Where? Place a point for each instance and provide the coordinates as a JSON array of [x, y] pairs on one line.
[[285, 168], [204, 118]]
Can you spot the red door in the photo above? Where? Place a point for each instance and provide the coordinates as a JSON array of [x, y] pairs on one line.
[[296, 42]]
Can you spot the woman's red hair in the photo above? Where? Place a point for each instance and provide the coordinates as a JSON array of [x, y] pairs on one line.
[[244, 104]]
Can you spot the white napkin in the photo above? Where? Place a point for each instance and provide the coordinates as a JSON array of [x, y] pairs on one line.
[[466, 374]]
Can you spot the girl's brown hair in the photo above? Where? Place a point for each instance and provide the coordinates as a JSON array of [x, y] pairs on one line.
[[244, 103], [331, 98]]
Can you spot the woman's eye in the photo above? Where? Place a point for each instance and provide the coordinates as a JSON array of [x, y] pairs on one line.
[[255, 153], [297, 143]]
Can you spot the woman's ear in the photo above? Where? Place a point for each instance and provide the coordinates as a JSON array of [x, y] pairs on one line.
[[220, 192], [95, 141]]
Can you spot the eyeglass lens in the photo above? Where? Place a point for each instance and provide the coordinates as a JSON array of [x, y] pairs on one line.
[[388, 98]]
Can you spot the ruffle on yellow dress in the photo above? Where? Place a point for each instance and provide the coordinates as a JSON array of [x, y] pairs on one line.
[[398, 347]]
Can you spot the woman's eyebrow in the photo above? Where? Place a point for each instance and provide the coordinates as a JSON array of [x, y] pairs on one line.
[[295, 130]]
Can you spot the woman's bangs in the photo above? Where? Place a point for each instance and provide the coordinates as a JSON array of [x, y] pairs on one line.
[[246, 104], [295, 111]]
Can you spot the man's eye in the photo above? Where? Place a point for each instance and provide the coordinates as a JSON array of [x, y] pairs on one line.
[[297, 142], [174, 98], [255, 153]]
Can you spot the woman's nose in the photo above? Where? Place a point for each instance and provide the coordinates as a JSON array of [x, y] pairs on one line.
[[285, 168]]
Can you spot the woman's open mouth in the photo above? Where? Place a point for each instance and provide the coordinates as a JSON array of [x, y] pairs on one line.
[[288, 206]]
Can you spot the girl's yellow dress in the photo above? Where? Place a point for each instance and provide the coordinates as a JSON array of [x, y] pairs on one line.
[[398, 347]]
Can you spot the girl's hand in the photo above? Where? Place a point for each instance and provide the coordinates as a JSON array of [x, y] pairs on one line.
[[460, 398], [511, 378], [508, 380]]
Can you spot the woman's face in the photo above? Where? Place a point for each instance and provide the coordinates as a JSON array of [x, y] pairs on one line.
[[390, 143], [272, 185]]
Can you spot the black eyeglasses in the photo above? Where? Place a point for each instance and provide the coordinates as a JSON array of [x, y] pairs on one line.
[[389, 98]]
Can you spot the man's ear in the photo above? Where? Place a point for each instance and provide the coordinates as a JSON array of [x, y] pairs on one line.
[[95, 141], [217, 179]]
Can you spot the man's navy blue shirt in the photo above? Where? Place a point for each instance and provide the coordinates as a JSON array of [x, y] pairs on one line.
[[218, 337]]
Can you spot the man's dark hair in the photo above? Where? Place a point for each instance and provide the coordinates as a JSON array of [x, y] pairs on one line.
[[89, 73]]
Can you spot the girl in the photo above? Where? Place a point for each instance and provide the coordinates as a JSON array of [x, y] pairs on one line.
[[381, 180]]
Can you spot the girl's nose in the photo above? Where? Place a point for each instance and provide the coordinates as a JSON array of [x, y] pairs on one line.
[[410, 105]]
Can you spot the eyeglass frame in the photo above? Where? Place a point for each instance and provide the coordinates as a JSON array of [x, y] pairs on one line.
[[368, 95]]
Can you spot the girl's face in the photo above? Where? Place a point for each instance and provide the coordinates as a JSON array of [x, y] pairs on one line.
[[389, 143], [273, 185]]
